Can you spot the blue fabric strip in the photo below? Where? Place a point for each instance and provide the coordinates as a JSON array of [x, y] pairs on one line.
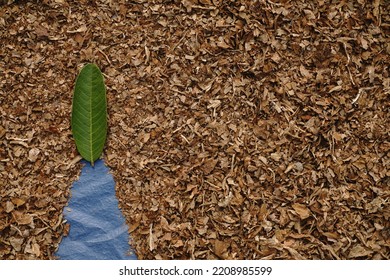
[[98, 230]]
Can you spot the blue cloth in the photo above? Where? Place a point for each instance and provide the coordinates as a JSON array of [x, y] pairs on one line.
[[97, 228]]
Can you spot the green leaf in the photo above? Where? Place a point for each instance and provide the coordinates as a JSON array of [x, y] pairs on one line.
[[89, 113]]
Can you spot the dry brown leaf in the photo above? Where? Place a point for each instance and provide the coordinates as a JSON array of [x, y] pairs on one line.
[[302, 210], [359, 251], [22, 218], [220, 248]]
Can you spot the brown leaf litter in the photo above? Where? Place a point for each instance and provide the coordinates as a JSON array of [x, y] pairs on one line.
[[237, 130]]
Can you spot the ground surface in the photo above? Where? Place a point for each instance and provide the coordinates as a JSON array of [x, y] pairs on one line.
[[237, 129]]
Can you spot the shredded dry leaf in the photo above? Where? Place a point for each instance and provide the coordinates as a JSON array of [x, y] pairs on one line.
[[237, 129]]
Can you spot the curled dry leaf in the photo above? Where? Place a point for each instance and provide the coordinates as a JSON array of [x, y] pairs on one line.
[[302, 211], [33, 154]]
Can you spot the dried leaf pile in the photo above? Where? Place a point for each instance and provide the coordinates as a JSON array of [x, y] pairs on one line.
[[238, 129]]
